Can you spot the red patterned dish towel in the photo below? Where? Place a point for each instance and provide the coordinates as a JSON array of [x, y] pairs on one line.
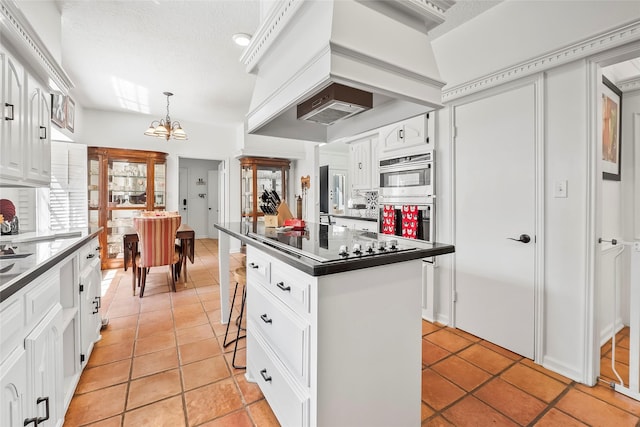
[[409, 221], [388, 220]]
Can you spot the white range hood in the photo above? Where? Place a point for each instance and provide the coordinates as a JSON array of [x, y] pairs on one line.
[[379, 47]]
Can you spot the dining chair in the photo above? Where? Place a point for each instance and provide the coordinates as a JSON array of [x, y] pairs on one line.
[[156, 247]]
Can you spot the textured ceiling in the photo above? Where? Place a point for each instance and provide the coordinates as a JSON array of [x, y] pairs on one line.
[[121, 56]]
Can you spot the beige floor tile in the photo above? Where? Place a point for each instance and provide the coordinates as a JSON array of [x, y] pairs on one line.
[[165, 413]]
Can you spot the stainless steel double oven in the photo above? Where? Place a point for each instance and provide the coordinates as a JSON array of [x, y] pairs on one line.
[[406, 200]]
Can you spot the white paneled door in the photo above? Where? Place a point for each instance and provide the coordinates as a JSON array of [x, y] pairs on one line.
[[494, 203]]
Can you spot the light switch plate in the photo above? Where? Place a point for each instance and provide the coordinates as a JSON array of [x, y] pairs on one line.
[[560, 189]]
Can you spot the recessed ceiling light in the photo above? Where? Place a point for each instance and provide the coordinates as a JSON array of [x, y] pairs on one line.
[[241, 39]]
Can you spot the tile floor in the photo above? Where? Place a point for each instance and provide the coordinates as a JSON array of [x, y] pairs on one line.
[[161, 363]]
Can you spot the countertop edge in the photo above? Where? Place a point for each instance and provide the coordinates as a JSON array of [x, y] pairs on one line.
[[28, 277], [322, 269]]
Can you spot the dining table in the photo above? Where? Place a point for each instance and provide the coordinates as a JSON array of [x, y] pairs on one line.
[[185, 234]]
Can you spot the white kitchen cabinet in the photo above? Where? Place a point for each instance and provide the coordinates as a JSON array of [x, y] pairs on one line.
[[363, 163], [90, 299], [43, 404], [11, 126], [38, 134], [48, 329], [314, 343], [13, 388], [31, 365], [415, 133], [25, 126]]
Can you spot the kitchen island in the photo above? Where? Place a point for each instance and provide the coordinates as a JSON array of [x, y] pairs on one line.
[[333, 322]]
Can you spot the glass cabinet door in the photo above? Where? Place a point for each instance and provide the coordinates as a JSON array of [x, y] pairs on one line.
[[118, 222], [127, 184], [158, 185], [93, 181], [247, 190]]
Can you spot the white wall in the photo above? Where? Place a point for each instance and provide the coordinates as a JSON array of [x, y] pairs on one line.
[[517, 30], [506, 35]]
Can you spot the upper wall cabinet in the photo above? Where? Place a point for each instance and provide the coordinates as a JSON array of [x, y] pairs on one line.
[[38, 135], [25, 126], [416, 132], [11, 126], [363, 163]]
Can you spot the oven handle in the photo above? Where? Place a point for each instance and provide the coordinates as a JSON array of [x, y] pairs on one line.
[[407, 167]]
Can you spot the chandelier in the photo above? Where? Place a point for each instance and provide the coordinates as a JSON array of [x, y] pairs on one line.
[[165, 128]]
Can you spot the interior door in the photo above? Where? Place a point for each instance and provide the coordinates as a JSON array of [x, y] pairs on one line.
[[183, 194], [494, 203], [222, 192], [212, 203]]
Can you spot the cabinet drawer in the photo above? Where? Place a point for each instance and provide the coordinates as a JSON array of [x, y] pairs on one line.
[[290, 286], [88, 253], [258, 266], [287, 335], [11, 325], [43, 296], [290, 405]]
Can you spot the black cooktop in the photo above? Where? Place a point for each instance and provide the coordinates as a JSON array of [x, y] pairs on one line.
[[326, 243]]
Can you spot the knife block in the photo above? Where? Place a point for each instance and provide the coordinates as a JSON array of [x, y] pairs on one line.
[[271, 221]]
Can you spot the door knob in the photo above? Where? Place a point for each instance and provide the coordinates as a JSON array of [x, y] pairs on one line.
[[524, 238]]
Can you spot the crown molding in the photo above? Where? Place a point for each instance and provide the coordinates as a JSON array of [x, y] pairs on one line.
[[268, 32], [629, 85], [26, 41], [594, 45]]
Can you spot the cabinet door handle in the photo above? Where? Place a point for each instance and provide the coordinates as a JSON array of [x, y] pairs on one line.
[[283, 287], [28, 421], [6, 104], [91, 256], [359, 165], [46, 417], [254, 265], [42, 128], [266, 319], [265, 376], [96, 303]]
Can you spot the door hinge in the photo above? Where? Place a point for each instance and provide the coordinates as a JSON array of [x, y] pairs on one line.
[[81, 287], [82, 358], [455, 296]]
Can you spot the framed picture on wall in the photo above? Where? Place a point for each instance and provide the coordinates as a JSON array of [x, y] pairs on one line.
[[70, 113], [611, 141], [58, 110]]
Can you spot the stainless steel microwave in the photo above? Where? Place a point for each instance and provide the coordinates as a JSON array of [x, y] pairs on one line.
[[407, 176]]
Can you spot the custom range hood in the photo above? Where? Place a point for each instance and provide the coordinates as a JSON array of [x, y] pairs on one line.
[[328, 69]]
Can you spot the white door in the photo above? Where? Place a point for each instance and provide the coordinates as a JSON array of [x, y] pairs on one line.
[[494, 202], [222, 191], [212, 203], [183, 194]]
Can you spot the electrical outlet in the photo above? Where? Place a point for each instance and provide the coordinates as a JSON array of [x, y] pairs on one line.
[[560, 189]]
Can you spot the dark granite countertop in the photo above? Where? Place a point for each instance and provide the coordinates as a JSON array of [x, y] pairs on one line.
[[34, 254], [314, 250]]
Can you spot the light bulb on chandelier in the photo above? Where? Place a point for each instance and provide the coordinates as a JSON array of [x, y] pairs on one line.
[[166, 129]]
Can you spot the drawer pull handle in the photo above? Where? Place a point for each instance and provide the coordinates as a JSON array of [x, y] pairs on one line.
[[6, 104], [265, 376], [254, 265], [91, 256], [266, 319], [283, 287], [97, 302]]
